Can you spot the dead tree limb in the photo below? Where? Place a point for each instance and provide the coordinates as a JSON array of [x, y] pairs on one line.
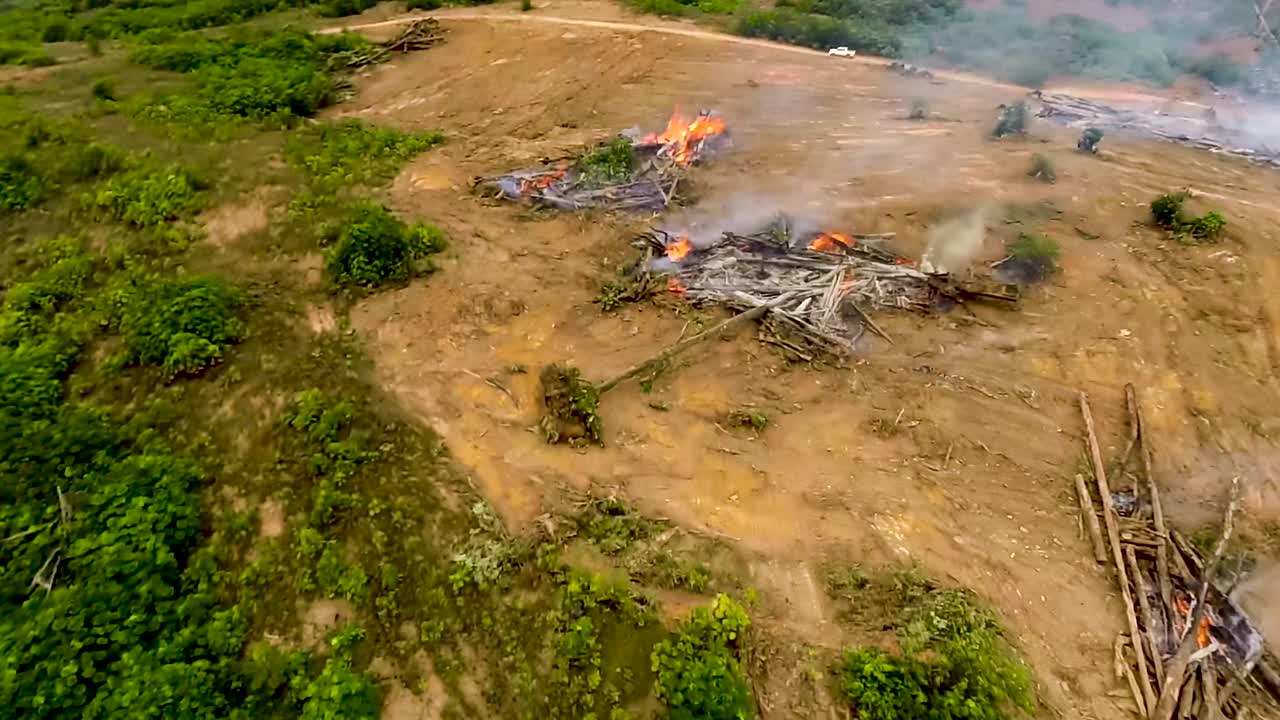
[[1090, 517], [1117, 555], [1176, 670], [1263, 24], [729, 324], [1157, 508], [1148, 620]]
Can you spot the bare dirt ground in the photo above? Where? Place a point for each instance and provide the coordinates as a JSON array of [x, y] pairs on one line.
[[954, 447]]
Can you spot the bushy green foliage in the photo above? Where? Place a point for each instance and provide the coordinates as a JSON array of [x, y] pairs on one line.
[[919, 110], [375, 247], [148, 198], [955, 664], [182, 326], [1042, 169], [787, 25], [16, 53], [437, 4], [1218, 69], [21, 185], [608, 163], [1089, 140], [101, 90], [1166, 210], [1012, 121], [273, 77], [59, 272], [698, 671], [675, 8], [350, 152], [1167, 213], [343, 8], [120, 19]]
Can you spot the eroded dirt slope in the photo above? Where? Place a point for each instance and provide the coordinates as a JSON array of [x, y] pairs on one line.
[[953, 447]]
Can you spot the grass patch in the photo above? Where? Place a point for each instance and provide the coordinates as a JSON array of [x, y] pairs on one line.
[[374, 248], [21, 185], [14, 53], [338, 155], [148, 198], [181, 326], [751, 418], [609, 163]]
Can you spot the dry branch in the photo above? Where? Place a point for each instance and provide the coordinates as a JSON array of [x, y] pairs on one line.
[[1157, 509], [1117, 555], [1148, 618], [1090, 517], [687, 343]]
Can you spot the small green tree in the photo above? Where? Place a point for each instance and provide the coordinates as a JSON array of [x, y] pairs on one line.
[[375, 247], [698, 675]]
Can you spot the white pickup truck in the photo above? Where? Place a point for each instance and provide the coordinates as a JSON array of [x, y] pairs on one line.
[[842, 51]]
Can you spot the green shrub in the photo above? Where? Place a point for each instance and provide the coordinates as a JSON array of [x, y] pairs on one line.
[[697, 671], [1207, 227], [879, 686], [56, 30], [818, 31], [1012, 121], [1166, 210], [21, 185], [1042, 169], [182, 326], [919, 110], [424, 4], [955, 664], [374, 247], [526, 5], [148, 198], [1089, 140], [343, 8], [102, 90], [1218, 69]]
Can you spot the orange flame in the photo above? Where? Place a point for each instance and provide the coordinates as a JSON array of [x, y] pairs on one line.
[[684, 138], [673, 285], [679, 249], [1202, 632], [831, 242]]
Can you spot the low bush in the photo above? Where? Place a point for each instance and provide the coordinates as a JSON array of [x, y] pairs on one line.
[[21, 185], [1218, 69], [181, 326], [148, 198], [1167, 212], [697, 671], [1042, 169], [375, 247], [919, 110], [818, 31], [102, 90], [343, 8], [955, 663], [1012, 121]]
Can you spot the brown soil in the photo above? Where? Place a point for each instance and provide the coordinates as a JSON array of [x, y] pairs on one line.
[[954, 447]]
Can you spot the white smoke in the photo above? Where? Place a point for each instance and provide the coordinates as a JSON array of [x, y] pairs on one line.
[[955, 243]]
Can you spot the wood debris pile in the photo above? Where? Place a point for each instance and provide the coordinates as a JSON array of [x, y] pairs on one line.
[[821, 286], [1191, 652], [1199, 133], [417, 35], [659, 164]]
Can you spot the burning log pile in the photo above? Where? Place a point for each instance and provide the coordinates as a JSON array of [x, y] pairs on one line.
[[1072, 111], [819, 285], [644, 172], [1194, 652]]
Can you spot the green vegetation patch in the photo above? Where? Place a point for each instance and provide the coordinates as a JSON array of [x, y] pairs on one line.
[[1042, 169], [954, 662], [1167, 212], [374, 248], [699, 675], [148, 198], [609, 163], [273, 77], [21, 185], [182, 326], [336, 155], [16, 53]]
